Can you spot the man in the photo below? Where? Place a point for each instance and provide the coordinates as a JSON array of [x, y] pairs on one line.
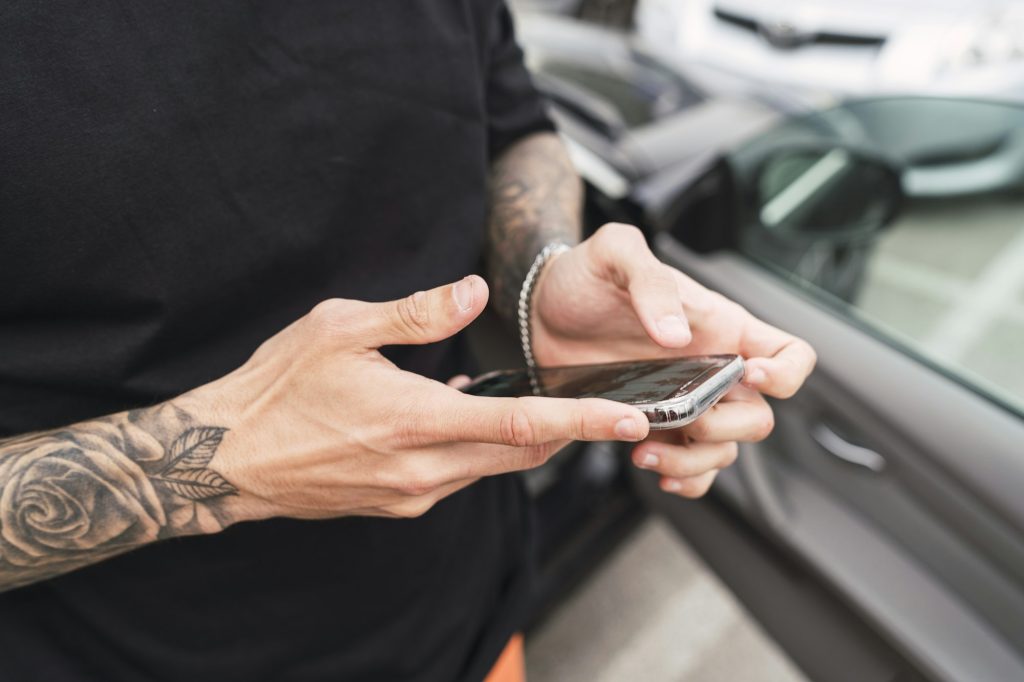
[[183, 185]]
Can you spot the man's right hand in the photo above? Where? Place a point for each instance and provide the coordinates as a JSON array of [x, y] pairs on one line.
[[322, 425]]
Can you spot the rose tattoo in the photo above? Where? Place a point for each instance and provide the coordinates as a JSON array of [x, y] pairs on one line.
[[78, 495]]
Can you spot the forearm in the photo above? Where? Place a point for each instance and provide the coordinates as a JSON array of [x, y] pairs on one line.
[[535, 198], [76, 495]]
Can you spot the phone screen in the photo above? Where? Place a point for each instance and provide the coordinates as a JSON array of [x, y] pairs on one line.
[[633, 382]]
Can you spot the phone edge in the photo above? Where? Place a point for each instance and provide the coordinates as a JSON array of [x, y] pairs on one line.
[[677, 412]]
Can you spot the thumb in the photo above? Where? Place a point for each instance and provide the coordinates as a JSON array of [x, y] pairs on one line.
[[426, 316]]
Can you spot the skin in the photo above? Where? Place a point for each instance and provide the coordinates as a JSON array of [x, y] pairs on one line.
[[307, 427], [610, 298]]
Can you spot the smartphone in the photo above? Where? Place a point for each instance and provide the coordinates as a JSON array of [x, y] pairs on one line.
[[671, 392]]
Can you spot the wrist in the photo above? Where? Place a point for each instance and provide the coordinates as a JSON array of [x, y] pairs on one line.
[[529, 293], [220, 403]]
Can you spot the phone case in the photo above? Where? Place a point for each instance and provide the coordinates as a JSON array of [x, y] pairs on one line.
[[681, 410], [673, 412]]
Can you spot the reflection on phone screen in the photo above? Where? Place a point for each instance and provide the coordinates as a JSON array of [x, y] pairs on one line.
[[642, 381]]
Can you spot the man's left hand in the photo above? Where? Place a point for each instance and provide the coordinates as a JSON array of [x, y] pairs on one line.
[[611, 299]]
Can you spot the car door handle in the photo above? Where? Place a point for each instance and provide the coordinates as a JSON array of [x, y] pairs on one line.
[[836, 446]]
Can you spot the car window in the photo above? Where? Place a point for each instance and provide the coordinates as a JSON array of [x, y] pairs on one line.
[[944, 277]]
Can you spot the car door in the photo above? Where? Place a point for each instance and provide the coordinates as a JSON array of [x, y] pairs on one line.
[[879, 532]]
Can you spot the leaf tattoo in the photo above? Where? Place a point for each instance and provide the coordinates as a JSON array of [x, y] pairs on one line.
[[186, 472], [195, 448], [197, 484]]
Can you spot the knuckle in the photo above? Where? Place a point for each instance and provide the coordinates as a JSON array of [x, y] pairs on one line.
[[808, 350], [732, 310], [414, 508], [693, 488], [704, 304], [674, 465], [665, 275], [537, 455], [415, 481], [529, 458], [414, 312], [656, 279], [406, 432], [517, 428], [700, 430], [420, 426], [580, 429], [787, 388], [620, 231], [766, 425], [613, 239], [389, 478], [329, 315], [414, 487], [731, 453], [796, 371]]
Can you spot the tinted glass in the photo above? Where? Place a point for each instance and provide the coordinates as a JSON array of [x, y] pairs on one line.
[[946, 278], [821, 193]]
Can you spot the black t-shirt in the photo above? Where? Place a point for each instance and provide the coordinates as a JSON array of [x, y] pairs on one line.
[[178, 182]]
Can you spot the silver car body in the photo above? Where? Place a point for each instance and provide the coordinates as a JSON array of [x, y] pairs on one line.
[[823, 49]]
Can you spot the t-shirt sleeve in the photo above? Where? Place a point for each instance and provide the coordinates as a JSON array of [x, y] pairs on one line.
[[514, 107]]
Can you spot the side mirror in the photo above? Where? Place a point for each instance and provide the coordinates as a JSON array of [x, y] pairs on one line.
[[831, 194]]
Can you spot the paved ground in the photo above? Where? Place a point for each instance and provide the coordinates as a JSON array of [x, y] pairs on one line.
[[654, 613]]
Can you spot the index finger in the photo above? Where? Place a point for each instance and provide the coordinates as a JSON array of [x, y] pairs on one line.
[[778, 363], [531, 421], [651, 285]]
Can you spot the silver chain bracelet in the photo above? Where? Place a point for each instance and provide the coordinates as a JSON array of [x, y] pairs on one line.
[[526, 301]]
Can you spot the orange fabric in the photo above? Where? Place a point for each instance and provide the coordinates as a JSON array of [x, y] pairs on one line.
[[511, 665]]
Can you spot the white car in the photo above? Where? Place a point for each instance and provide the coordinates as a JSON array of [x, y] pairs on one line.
[[817, 50]]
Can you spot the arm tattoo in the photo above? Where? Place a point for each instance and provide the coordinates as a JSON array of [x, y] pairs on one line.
[[76, 495], [535, 198]]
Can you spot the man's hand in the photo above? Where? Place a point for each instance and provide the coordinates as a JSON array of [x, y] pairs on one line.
[[316, 424], [322, 425], [611, 299]]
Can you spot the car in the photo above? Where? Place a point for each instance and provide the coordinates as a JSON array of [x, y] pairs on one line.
[[814, 54], [641, 133], [627, 117], [816, 48], [878, 534]]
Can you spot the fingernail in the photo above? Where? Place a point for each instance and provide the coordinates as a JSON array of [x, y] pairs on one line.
[[755, 376], [462, 292], [650, 460], [672, 485], [674, 328], [626, 429]]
